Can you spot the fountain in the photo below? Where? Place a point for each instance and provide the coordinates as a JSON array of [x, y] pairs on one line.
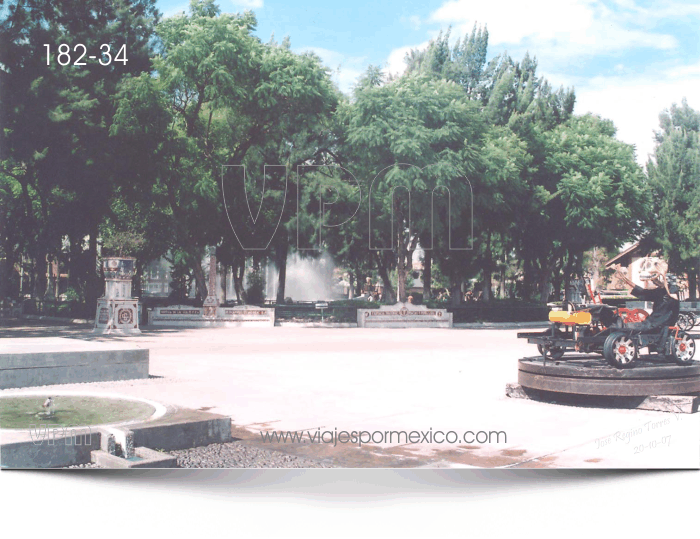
[[211, 314], [307, 278]]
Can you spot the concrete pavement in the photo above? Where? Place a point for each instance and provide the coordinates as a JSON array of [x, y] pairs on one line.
[[320, 380]]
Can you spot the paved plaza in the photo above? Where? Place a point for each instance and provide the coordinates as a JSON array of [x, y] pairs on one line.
[[318, 380]]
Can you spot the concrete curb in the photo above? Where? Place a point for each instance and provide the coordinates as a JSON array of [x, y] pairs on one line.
[[458, 325], [57, 319], [317, 324], [500, 325]]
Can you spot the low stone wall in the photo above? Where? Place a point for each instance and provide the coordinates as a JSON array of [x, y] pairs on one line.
[[193, 317], [183, 431], [58, 448], [53, 448], [67, 361], [404, 315]]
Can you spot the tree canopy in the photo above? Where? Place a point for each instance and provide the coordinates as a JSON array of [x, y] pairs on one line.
[[208, 136]]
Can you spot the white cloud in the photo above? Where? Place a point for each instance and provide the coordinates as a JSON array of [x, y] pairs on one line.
[[248, 4], [345, 69], [561, 28], [413, 22], [685, 71], [562, 32], [176, 10], [395, 64], [634, 103], [185, 7]]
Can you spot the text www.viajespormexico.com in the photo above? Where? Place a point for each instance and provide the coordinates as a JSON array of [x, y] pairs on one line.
[[360, 437]]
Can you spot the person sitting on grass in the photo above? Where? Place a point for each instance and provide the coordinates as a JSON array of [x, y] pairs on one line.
[[663, 294]]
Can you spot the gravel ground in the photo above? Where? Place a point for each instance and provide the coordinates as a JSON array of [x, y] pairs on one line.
[[239, 455], [232, 455]]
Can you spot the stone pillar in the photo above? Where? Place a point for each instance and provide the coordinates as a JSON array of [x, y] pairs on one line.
[[117, 311], [211, 304]]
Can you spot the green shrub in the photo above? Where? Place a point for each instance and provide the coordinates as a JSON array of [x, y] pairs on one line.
[[255, 293]]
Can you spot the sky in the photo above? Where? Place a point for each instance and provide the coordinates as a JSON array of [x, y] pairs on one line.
[[627, 60]]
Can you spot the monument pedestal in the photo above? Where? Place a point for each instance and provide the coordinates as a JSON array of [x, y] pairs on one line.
[[404, 315], [118, 316], [117, 311]]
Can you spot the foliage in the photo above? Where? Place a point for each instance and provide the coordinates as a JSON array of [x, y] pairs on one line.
[[122, 243], [674, 177], [255, 293], [147, 155], [58, 169]]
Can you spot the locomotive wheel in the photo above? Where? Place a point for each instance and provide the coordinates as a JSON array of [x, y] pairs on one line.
[[553, 352], [686, 321], [682, 348], [620, 351]]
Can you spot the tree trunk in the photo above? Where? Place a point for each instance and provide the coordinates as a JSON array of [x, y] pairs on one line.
[[504, 267], [351, 287], [544, 288], [200, 279], [52, 279], [40, 282], [281, 253], [238, 272], [568, 268], [427, 275], [389, 294], [502, 284], [527, 279], [456, 293], [402, 273], [359, 282], [488, 270], [545, 279], [92, 284], [692, 285], [401, 270], [223, 289]]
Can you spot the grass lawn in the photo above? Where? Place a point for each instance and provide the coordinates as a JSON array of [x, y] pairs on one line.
[[69, 411]]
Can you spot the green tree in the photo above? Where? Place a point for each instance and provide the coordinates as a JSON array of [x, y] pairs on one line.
[[57, 161], [510, 180], [597, 193], [395, 131], [674, 177], [227, 100]]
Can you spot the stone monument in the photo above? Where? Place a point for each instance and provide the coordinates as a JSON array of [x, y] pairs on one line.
[[211, 303], [117, 311], [404, 315], [212, 314]]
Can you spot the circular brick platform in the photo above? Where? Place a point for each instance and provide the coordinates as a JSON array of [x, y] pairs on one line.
[[591, 375]]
